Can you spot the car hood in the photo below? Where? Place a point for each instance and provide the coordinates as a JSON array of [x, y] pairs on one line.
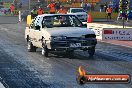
[[69, 31]]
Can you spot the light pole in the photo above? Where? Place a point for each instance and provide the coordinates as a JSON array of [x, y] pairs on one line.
[[29, 5]]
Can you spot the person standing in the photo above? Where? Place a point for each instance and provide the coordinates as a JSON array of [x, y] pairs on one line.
[[51, 6], [101, 7], [83, 5], [109, 12], [40, 11], [15, 2], [92, 7], [105, 6], [57, 6], [12, 8], [20, 5], [88, 7], [33, 13], [62, 10]]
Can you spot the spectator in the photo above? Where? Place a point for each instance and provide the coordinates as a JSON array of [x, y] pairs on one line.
[[88, 6], [20, 5], [15, 3], [105, 6], [62, 10], [24, 15], [92, 7], [51, 6], [109, 12], [33, 13], [101, 7], [83, 5], [57, 5], [116, 8], [12, 8], [40, 11]]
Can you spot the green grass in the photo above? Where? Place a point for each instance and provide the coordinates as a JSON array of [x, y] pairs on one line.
[[7, 5]]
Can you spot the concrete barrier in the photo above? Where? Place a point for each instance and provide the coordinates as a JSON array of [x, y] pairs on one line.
[[8, 19]]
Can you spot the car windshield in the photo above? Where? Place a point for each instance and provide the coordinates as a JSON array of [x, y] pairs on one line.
[[77, 10], [61, 21]]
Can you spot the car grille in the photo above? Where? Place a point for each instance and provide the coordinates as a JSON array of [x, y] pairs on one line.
[[72, 40]]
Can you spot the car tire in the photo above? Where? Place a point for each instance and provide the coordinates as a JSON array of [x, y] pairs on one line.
[[30, 47], [91, 51], [45, 51], [70, 54]]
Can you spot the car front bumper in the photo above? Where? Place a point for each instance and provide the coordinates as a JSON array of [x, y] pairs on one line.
[[63, 45]]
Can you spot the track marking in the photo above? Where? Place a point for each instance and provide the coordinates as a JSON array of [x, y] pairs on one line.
[[1, 85]]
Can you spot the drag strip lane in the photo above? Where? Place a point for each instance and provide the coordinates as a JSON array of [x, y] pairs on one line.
[[52, 72]]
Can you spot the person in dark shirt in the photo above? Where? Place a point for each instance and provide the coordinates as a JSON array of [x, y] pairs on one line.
[[57, 5], [101, 7]]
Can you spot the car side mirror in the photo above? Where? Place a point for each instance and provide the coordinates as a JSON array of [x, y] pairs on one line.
[[85, 25], [37, 27]]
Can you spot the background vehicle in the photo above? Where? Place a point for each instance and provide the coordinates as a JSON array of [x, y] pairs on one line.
[[59, 33], [4, 10], [130, 15], [79, 12]]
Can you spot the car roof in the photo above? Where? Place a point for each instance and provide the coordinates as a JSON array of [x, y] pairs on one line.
[[76, 8]]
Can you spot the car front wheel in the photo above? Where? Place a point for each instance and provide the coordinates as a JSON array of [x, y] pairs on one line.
[[30, 47], [45, 51], [70, 54], [91, 51]]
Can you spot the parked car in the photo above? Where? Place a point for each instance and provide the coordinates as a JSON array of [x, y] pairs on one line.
[[4, 10], [79, 12], [59, 33], [1, 6]]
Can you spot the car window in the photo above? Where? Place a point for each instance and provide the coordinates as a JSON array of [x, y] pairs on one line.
[[77, 10], [61, 21]]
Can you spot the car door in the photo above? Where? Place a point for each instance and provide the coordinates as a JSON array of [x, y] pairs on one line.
[[37, 37], [35, 34]]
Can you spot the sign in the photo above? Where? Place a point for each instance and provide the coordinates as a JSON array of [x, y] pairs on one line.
[[75, 45], [117, 34]]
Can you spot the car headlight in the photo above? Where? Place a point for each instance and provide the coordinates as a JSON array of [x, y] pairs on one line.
[[58, 37]]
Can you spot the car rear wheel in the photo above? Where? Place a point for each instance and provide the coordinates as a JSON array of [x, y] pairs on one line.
[[30, 47], [91, 51], [45, 51]]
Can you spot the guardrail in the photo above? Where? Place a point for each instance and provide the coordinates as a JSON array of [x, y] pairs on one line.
[[102, 15]]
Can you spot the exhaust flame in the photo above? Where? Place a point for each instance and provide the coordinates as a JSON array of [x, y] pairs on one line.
[[81, 71]]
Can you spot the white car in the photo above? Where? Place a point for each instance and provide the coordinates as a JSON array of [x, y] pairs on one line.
[[59, 32], [79, 12]]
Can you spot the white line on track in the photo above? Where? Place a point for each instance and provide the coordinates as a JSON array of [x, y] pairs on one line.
[[1, 85]]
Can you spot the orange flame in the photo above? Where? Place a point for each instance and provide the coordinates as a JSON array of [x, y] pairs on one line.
[[81, 71]]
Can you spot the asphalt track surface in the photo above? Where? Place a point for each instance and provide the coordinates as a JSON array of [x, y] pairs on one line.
[[22, 69]]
